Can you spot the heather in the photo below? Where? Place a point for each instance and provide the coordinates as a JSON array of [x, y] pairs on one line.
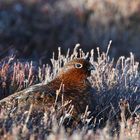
[[33, 29], [117, 86]]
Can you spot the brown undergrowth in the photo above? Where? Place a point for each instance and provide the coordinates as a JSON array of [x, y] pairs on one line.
[[118, 100]]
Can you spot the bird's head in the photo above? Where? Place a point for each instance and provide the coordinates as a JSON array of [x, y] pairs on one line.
[[77, 69]]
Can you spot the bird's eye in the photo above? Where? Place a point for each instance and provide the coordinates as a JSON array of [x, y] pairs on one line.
[[78, 65]]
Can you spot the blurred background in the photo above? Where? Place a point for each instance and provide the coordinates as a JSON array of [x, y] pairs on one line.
[[33, 29]]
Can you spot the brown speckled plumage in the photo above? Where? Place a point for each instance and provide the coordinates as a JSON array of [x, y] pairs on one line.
[[76, 88]]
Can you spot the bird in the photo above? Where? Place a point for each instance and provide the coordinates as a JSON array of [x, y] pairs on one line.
[[73, 82]]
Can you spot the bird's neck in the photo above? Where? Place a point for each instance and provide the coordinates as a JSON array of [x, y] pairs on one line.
[[74, 81]]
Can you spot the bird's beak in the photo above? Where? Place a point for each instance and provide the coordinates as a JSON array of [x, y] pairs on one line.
[[91, 67]]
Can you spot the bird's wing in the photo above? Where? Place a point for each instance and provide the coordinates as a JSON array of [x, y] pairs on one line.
[[31, 93]]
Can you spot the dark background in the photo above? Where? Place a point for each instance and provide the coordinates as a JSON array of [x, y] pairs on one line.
[[33, 29]]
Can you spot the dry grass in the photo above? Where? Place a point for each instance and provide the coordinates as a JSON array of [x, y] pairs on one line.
[[118, 102]]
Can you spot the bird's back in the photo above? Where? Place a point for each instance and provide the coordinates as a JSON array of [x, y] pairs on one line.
[[39, 94]]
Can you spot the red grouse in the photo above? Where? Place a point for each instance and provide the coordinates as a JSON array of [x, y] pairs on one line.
[[76, 88]]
